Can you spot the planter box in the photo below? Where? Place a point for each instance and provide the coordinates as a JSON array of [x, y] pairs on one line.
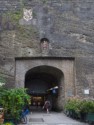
[[90, 117], [83, 116], [72, 114], [68, 113]]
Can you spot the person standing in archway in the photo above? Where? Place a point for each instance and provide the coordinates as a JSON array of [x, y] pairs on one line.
[[47, 106]]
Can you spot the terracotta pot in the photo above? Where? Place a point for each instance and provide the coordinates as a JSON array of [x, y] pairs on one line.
[[1, 116], [1, 121]]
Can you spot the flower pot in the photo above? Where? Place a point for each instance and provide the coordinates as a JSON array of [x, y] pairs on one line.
[[1, 116]]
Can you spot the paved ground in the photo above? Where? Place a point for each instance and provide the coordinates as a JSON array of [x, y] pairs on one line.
[[51, 119]]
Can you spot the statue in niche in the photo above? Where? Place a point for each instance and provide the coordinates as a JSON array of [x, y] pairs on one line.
[[45, 46]]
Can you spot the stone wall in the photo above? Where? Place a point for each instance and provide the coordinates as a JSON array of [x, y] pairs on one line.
[[67, 24]]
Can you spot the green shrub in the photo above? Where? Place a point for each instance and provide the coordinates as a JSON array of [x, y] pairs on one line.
[[79, 105], [12, 100], [87, 106], [72, 104]]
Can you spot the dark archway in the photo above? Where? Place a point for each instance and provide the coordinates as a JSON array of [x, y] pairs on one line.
[[44, 82]]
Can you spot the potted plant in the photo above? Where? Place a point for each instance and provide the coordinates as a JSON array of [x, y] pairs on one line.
[[90, 111], [86, 109], [12, 101], [72, 107], [83, 110], [80, 108]]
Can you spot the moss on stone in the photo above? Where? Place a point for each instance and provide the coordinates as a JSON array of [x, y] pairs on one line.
[[26, 31], [10, 19], [16, 16]]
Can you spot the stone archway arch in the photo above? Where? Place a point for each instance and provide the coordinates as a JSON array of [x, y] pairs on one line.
[[46, 69], [44, 80], [59, 65]]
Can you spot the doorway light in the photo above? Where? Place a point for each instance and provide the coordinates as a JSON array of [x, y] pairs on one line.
[[56, 87]]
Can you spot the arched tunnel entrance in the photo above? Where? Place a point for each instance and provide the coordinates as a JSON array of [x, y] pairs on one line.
[[45, 82]]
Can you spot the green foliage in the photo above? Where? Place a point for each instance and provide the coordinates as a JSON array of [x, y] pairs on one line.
[[8, 123], [12, 100], [77, 105], [73, 105], [10, 20], [87, 106], [11, 17], [16, 16]]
